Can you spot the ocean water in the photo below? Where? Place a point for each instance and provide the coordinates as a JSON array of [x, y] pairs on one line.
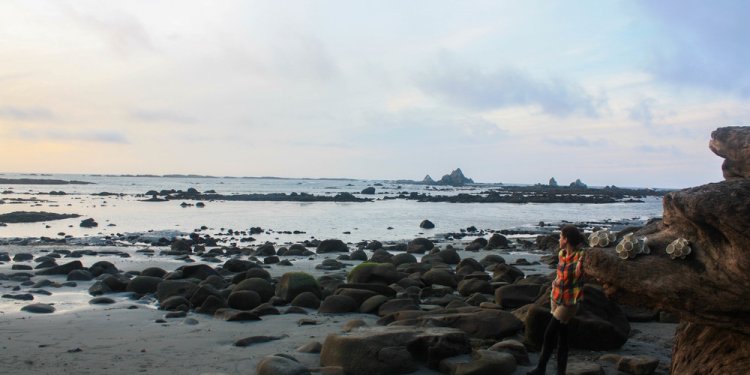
[[384, 220], [350, 222]]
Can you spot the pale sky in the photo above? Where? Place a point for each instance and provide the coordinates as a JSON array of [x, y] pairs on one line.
[[611, 92]]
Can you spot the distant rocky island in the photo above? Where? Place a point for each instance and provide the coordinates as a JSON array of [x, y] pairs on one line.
[[39, 181], [455, 178]]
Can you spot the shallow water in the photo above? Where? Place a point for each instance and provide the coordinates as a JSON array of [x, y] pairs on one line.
[[364, 221], [384, 220]]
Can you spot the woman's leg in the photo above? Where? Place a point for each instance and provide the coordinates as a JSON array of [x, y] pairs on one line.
[[548, 345], [562, 350], [565, 314]]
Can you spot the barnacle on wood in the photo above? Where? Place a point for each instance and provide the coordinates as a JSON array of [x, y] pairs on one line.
[[601, 238], [630, 246], [679, 248]]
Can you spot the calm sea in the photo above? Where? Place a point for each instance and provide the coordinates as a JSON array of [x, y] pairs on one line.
[[347, 221]]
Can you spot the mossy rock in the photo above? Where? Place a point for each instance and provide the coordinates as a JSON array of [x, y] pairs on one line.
[[371, 272], [293, 283]]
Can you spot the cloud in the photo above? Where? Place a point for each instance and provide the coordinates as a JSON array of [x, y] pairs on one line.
[[577, 142], [701, 44], [160, 116], [26, 114], [122, 31], [507, 86], [427, 129], [98, 136], [642, 112], [654, 149], [301, 56]]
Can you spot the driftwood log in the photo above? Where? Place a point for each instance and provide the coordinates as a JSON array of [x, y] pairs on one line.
[[710, 289]]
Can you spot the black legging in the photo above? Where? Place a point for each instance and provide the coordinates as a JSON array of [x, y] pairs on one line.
[[555, 334]]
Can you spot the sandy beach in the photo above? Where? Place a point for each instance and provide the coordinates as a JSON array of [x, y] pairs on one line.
[[124, 340]]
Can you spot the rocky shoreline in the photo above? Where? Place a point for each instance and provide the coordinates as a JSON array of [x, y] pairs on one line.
[[462, 303], [40, 181], [505, 194]]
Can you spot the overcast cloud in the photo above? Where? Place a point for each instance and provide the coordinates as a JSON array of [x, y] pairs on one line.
[[618, 92]]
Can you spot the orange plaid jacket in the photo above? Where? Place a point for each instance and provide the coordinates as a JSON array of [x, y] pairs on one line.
[[567, 289]]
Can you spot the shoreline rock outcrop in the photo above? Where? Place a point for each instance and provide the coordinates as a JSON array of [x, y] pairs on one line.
[[707, 290]]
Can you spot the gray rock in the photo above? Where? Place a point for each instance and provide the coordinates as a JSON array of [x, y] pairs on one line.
[[514, 348], [330, 265], [476, 244], [80, 275], [170, 288], [244, 300], [332, 246], [381, 256], [293, 283], [312, 347], [198, 271], [419, 245], [638, 365], [62, 269], [440, 276], [398, 304], [426, 224], [153, 271], [103, 267], [88, 223], [175, 303], [45, 264], [480, 323], [353, 324], [374, 245], [99, 288], [358, 255], [252, 340], [280, 365], [487, 362], [515, 295], [233, 315], [391, 350], [497, 241], [449, 256], [403, 258], [117, 283], [39, 308], [337, 304], [372, 304], [261, 286], [265, 250], [19, 297], [101, 301], [584, 368], [306, 299], [468, 287], [144, 284], [506, 273], [22, 257], [599, 324]]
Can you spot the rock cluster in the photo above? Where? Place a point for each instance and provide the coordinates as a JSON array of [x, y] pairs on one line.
[[431, 311], [707, 289], [33, 217]]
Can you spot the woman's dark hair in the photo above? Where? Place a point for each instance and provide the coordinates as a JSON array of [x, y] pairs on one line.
[[573, 235]]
